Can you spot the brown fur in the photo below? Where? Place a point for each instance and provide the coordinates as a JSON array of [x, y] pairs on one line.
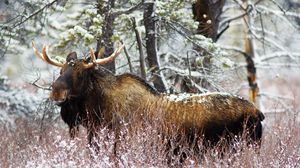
[[95, 97]]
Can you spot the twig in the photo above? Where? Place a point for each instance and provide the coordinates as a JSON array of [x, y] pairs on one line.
[[277, 4], [270, 41], [227, 21], [34, 13], [277, 55], [235, 49], [185, 35], [240, 3], [34, 83], [276, 12], [128, 11], [277, 65], [182, 72], [279, 98]]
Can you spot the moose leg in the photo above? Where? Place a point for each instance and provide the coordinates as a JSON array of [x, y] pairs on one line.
[[73, 131], [93, 144], [255, 131]]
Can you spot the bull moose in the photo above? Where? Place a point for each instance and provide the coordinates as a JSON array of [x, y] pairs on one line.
[[91, 96]]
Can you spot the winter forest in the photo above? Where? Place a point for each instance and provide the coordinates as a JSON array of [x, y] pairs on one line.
[[179, 49]]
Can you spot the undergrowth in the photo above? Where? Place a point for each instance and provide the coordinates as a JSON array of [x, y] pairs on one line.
[[27, 145]]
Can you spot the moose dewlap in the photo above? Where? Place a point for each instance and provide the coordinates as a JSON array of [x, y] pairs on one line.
[[91, 96]]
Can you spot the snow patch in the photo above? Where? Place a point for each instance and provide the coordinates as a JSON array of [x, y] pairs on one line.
[[16, 103]]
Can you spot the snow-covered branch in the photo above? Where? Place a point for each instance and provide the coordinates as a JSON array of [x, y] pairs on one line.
[[271, 43], [183, 72], [232, 48], [275, 55], [128, 11], [280, 14], [34, 14]]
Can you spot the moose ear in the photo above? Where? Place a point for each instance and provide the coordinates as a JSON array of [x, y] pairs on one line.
[[71, 56]]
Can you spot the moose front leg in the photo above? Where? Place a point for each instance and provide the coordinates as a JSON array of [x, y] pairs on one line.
[[92, 141], [73, 131]]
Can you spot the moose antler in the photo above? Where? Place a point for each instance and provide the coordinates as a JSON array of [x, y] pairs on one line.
[[102, 61], [45, 57]]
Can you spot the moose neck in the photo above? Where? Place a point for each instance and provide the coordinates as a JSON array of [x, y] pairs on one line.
[[97, 81]]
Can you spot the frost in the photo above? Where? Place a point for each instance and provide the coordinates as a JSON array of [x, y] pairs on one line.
[[59, 8], [178, 97], [223, 62], [80, 30], [88, 38], [184, 97], [92, 11], [15, 103], [55, 24], [62, 144], [71, 32], [97, 20]]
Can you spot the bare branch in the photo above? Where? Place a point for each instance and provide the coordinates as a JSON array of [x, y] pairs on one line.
[[34, 14], [235, 49], [267, 65], [183, 72], [140, 47], [278, 5], [270, 41], [278, 55], [34, 83], [185, 34], [240, 3], [279, 99], [227, 21], [128, 11], [264, 10], [128, 59]]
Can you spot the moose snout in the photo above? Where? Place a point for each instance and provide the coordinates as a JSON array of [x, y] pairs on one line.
[[58, 96], [59, 93]]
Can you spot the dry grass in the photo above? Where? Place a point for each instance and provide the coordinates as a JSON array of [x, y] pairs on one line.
[[27, 146]]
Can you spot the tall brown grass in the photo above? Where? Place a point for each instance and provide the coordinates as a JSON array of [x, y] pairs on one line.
[[27, 145]]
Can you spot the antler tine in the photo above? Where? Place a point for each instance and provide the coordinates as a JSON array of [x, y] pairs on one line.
[[93, 59], [111, 57], [36, 51], [49, 60], [45, 57], [102, 60]]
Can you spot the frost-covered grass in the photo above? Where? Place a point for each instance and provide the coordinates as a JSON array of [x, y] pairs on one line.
[[29, 146]]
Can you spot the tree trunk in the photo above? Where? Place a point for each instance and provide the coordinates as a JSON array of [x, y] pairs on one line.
[[104, 9], [207, 13], [250, 55], [151, 45], [140, 46]]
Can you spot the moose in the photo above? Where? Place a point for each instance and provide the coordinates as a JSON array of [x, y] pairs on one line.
[[91, 96]]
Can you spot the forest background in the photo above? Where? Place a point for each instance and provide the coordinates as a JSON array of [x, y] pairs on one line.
[[244, 47]]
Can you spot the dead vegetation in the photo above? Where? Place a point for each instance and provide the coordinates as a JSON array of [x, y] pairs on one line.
[[27, 146]]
